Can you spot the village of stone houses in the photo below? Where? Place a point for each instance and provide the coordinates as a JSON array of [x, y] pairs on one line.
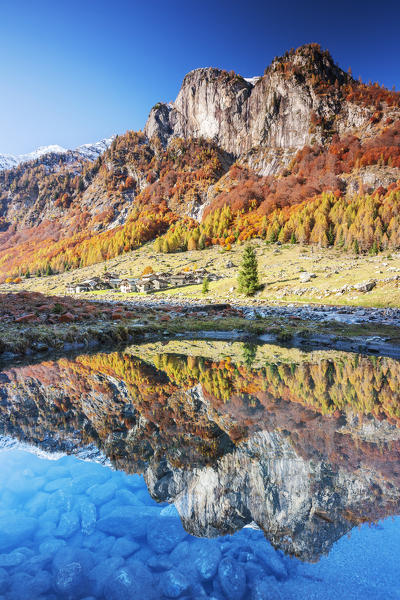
[[148, 283]]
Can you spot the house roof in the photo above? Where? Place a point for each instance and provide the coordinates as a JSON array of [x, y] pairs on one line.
[[128, 282]]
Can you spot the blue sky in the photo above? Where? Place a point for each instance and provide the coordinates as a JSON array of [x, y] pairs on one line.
[[77, 71]]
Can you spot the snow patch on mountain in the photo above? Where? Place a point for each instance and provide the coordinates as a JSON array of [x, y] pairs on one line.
[[252, 80], [7, 161], [86, 151], [92, 151]]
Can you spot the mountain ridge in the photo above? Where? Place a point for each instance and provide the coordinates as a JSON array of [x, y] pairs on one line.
[[88, 151]]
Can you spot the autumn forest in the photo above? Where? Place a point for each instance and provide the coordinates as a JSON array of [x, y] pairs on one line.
[[340, 188]]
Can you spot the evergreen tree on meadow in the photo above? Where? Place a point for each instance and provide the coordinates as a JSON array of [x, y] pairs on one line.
[[248, 282], [206, 285], [374, 249]]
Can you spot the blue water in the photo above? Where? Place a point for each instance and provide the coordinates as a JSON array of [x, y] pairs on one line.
[[71, 529]]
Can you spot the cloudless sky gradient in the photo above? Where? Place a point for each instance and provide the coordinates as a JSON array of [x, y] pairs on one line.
[[77, 71]]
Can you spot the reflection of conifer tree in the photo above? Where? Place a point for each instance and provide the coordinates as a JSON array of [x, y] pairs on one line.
[[249, 353]]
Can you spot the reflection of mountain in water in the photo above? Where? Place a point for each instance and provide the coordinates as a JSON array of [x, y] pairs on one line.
[[305, 446]]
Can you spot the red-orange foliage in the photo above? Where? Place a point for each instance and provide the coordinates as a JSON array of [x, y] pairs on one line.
[[147, 270], [371, 95]]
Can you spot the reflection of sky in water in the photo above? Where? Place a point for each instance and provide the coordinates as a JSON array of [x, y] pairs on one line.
[[77, 530]]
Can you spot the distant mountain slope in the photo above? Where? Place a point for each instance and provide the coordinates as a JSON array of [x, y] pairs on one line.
[[303, 153], [86, 151]]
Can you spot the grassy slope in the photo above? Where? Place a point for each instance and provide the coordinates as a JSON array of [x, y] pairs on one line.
[[279, 267]]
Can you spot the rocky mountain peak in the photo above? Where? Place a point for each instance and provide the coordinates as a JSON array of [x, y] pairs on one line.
[[258, 114], [310, 62]]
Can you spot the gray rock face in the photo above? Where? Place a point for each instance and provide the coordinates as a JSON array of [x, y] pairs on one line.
[[158, 123], [213, 105], [269, 117]]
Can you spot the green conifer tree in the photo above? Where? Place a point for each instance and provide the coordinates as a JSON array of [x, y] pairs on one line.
[[248, 282], [374, 249], [206, 285]]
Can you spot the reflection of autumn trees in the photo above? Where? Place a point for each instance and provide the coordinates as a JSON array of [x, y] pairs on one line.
[[360, 384], [192, 409], [364, 385], [100, 399]]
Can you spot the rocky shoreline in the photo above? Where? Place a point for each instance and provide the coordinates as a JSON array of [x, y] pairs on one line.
[[353, 329], [313, 312]]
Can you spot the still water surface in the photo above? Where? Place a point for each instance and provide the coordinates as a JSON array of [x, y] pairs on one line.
[[200, 470]]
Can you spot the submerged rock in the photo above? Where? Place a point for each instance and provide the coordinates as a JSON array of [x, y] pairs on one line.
[[15, 529], [265, 589], [70, 580], [168, 533], [128, 519], [174, 583], [232, 579], [69, 524], [207, 558], [135, 581]]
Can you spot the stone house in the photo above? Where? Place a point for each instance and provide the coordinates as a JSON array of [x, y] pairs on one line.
[[102, 285], [107, 276], [91, 283], [159, 283], [96, 284], [148, 277], [114, 282], [144, 286], [179, 279], [154, 281], [128, 285]]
